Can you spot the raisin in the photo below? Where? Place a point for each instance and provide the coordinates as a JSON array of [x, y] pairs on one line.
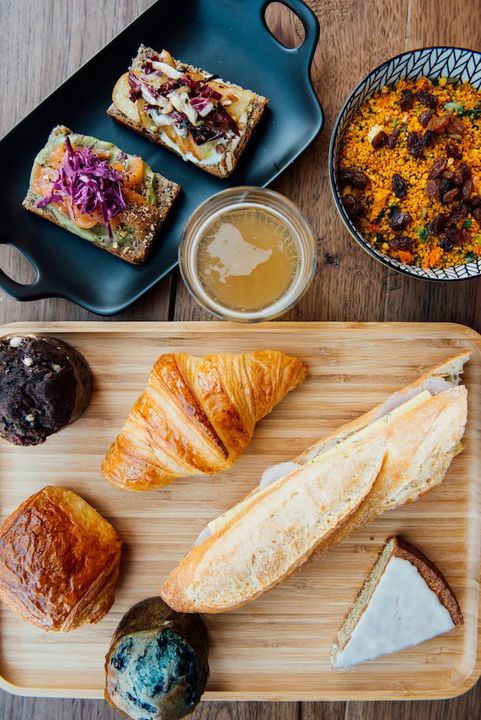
[[354, 177], [438, 124], [415, 145], [475, 207], [450, 196], [379, 140], [429, 138], [433, 187], [437, 167], [407, 100], [353, 206], [467, 189], [455, 127], [459, 236], [446, 184], [427, 98], [448, 175], [475, 202], [399, 186], [402, 242], [393, 137], [438, 224], [452, 150], [425, 117], [447, 244], [460, 212], [400, 220], [461, 174]]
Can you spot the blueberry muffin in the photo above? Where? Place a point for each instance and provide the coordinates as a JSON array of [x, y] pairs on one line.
[[157, 666], [44, 385]]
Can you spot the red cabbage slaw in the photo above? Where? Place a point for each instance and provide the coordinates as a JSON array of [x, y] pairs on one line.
[[90, 183]]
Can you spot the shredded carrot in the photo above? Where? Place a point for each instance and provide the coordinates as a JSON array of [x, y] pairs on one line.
[[405, 256]]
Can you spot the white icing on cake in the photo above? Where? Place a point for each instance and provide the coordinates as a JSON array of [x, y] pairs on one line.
[[403, 611]]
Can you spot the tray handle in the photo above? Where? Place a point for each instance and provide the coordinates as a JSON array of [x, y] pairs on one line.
[[33, 291], [309, 21]]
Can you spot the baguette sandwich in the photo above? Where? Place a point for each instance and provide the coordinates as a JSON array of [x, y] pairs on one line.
[[195, 114], [93, 189], [386, 457]]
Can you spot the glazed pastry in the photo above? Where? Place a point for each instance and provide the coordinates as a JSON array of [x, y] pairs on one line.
[[157, 665], [44, 385], [197, 415], [59, 561]]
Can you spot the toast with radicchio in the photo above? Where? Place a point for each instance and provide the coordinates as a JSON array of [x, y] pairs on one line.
[[95, 190], [199, 116]]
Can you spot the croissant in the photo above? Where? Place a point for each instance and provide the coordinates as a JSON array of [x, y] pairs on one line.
[[197, 415]]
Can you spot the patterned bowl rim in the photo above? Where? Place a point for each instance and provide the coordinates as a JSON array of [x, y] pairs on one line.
[[384, 259]]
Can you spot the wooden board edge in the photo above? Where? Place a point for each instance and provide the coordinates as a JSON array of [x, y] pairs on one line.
[[456, 330]]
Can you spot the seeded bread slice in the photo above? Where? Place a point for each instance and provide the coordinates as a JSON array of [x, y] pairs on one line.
[[145, 220], [228, 160]]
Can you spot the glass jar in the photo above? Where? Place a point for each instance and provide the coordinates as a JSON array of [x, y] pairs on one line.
[[225, 203]]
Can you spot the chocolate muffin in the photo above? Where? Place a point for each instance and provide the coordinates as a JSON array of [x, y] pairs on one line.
[[44, 385]]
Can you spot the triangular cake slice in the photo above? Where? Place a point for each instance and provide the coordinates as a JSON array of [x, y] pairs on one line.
[[404, 601]]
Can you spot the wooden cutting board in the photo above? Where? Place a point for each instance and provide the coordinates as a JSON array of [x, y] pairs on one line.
[[276, 648]]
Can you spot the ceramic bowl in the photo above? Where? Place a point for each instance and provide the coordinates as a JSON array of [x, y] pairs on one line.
[[433, 62]]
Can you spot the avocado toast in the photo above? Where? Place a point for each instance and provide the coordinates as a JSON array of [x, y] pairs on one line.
[[95, 190]]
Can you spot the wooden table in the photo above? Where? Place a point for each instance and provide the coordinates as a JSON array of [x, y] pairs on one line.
[[44, 41]]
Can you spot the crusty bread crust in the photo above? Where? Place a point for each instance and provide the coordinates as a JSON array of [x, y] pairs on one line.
[[256, 111], [231, 568], [166, 191], [450, 368], [420, 446]]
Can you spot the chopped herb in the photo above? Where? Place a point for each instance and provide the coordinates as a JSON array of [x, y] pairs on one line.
[[472, 113], [467, 223], [379, 237], [423, 234], [404, 127], [379, 217], [456, 107], [470, 257], [395, 122]]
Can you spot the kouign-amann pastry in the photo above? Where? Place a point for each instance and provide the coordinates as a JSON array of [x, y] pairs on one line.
[[59, 561], [44, 385]]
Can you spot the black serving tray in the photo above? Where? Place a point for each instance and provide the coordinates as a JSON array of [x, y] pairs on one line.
[[227, 37]]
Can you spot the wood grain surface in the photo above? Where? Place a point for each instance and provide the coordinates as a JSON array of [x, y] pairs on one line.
[[43, 41]]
